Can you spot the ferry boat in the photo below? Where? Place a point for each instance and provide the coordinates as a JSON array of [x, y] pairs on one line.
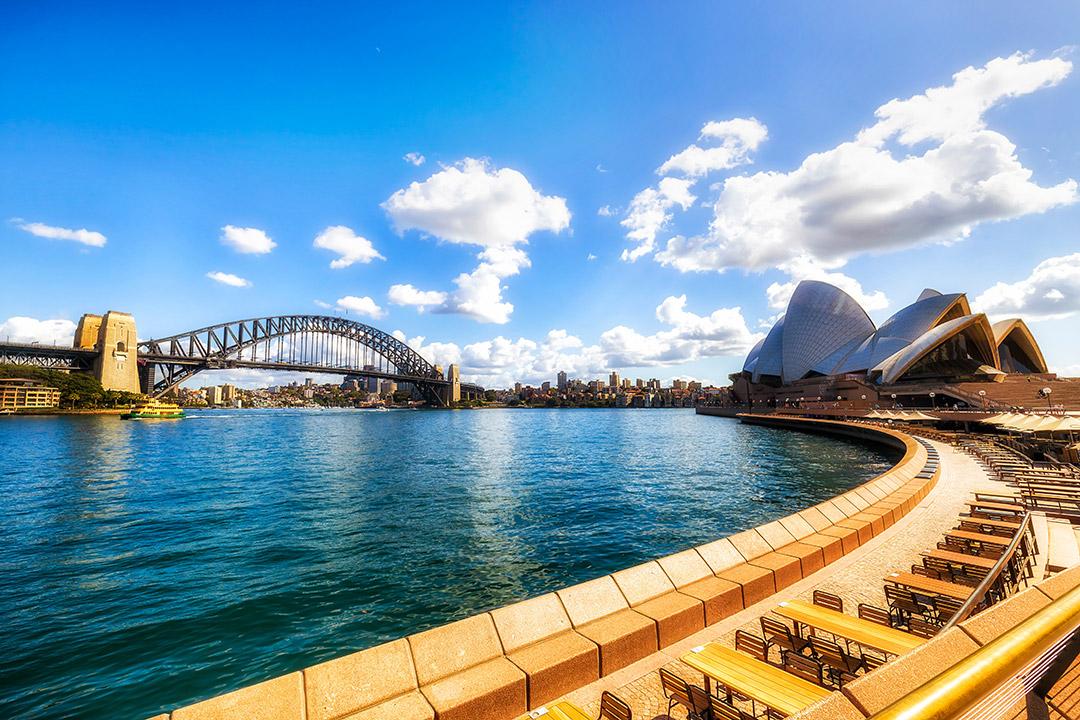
[[154, 410]]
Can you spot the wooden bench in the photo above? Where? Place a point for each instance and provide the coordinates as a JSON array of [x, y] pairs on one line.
[[929, 585], [764, 683], [956, 558], [868, 634]]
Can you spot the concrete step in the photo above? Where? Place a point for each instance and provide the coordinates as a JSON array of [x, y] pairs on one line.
[[1042, 539], [1063, 551]]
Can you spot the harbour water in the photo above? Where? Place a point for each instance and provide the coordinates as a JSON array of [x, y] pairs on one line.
[[145, 565]]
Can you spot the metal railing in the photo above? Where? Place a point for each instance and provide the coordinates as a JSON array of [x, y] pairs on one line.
[[1028, 659], [979, 594]]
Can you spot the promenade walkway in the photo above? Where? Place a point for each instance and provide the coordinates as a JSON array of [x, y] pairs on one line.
[[856, 577]]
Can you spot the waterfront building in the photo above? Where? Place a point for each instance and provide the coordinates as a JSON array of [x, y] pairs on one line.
[[214, 395], [19, 393], [560, 380], [228, 394], [613, 380], [935, 350], [640, 383], [387, 387]]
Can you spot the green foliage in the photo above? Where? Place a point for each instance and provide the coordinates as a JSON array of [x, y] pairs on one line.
[[77, 390]]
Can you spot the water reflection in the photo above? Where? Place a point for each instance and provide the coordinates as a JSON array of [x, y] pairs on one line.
[[146, 565]]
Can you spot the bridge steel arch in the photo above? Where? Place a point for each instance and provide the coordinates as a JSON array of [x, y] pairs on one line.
[[307, 343]]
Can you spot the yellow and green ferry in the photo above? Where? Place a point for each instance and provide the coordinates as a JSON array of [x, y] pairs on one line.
[[154, 410]]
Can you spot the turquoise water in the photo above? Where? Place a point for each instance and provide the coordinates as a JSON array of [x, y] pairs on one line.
[[145, 565]]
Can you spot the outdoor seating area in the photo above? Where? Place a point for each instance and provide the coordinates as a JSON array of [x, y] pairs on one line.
[[806, 650]]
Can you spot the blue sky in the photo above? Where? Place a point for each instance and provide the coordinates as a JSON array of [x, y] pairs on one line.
[[154, 129]]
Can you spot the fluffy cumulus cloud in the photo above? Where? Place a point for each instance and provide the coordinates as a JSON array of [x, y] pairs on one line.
[[420, 299], [251, 241], [473, 203], [735, 139], [414, 158], [30, 330], [81, 236], [1050, 292], [928, 170], [501, 361], [650, 212], [228, 279], [806, 268], [350, 247], [360, 306]]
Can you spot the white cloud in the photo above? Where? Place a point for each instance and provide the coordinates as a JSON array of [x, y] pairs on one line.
[[228, 279], [861, 197], [650, 212], [607, 211], [1069, 371], [806, 268], [689, 337], [247, 240], [28, 330], [350, 247], [472, 203], [414, 158], [1050, 292], [360, 305], [323, 304], [409, 295], [501, 361], [590, 257], [738, 138], [82, 235]]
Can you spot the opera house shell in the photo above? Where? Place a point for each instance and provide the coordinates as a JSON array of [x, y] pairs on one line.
[[825, 333]]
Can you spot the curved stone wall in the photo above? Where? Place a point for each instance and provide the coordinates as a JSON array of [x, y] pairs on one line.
[[499, 664]]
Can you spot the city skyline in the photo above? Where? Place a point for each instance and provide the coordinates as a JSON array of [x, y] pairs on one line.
[[668, 194]]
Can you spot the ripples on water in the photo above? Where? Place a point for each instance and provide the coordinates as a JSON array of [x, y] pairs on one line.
[[147, 565]]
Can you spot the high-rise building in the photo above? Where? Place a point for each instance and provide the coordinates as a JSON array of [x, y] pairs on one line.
[[678, 384], [214, 395], [561, 381], [308, 382], [640, 383], [517, 388], [546, 386], [228, 394], [613, 381]]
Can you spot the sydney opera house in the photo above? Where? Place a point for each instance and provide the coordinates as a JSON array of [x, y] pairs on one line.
[[825, 348]]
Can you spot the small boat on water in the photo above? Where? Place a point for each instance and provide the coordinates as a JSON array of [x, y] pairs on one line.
[[154, 410]]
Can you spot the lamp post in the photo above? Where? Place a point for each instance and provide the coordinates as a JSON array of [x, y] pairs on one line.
[[894, 400], [982, 397], [933, 402], [1046, 393]]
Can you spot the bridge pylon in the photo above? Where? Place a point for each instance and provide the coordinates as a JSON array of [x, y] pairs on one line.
[[113, 335]]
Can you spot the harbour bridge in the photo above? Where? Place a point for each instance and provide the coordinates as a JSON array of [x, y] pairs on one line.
[[299, 343]]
